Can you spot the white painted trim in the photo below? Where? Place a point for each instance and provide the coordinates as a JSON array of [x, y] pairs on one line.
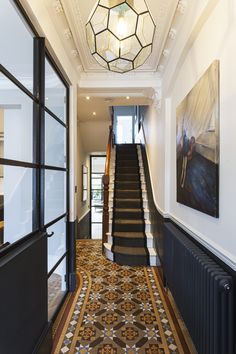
[[84, 215]]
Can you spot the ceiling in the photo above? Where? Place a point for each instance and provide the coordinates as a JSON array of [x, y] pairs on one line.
[[107, 88], [100, 102]]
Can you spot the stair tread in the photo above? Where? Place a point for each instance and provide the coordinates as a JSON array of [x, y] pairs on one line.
[[129, 210], [127, 174], [129, 199], [129, 234], [134, 251], [126, 190], [131, 182], [128, 221]]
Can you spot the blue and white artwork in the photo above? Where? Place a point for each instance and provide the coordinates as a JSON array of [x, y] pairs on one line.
[[198, 145]]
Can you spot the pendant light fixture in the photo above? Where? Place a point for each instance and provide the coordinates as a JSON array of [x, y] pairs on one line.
[[120, 34]]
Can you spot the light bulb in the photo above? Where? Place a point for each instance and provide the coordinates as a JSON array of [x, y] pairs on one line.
[[121, 27]]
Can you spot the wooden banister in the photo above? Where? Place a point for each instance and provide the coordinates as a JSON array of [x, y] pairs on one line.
[[105, 180]]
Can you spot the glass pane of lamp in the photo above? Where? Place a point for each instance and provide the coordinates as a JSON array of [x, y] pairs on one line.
[[99, 19], [145, 29], [107, 45], [111, 3], [122, 21], [138, 5]]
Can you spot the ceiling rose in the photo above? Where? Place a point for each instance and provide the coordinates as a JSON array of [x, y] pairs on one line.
[[120, 34]]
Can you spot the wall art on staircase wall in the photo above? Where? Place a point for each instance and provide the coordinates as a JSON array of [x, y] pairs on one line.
[[197, 141]]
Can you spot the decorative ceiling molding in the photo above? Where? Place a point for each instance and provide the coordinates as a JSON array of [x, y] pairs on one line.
[[57, 6], [182, 6], [67, 34], [172, 36]]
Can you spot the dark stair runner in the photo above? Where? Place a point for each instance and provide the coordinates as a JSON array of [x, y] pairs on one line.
[[128, 228]]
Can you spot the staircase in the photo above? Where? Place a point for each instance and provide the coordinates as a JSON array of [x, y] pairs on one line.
[[129, 239]]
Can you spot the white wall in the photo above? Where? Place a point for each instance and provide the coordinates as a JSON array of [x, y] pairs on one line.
[[154, 133], [216, 40], [82, 159], [94, 135]]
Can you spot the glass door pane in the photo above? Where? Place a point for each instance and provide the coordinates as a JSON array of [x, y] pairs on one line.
[[16, 122], [55, 185], [16, 43], [57, 288], [16, 194], [97, 171], [55, 190]]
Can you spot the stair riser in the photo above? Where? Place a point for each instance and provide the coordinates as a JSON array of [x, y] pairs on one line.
[[129, 242], [128, 215], [131, 260], [128, 186], [145, 227], [126, 157], [131, 215], [127, 164], [128, 228], [126, 177], [127, 170], [128, 194], [152, 259], [127, 205], [149, 241], [123, 177]]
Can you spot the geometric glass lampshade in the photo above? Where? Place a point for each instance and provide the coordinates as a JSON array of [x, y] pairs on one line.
[[120, 34]]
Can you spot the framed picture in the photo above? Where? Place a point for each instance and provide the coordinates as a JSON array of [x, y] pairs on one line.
[[197, 145], [84, 183]]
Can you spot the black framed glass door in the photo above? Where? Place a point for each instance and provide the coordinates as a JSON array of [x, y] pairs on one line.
[[97, 168], [55, 181], [33, 185]]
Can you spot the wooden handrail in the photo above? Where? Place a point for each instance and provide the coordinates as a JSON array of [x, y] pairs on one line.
[[105, 180]]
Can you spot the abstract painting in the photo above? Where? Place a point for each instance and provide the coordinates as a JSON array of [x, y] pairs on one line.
[[197, 143]]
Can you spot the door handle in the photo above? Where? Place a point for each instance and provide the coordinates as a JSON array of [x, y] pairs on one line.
[[49, 234]]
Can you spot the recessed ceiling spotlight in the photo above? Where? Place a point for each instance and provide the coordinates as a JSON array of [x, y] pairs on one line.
[[127, 97], [94, 113], [87, 98]]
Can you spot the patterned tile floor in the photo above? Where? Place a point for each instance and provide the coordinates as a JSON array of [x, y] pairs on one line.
[[116, 309]]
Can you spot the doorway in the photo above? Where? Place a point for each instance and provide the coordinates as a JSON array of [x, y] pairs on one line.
[[97, 168], [125, 124]]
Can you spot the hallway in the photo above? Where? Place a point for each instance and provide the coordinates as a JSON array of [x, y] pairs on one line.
[[116, 309]]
